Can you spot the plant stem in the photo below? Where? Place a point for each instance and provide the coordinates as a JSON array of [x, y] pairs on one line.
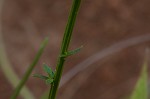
[[30, 69], [64, 48]]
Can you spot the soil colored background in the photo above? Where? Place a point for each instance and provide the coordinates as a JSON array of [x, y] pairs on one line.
[[100, 24]]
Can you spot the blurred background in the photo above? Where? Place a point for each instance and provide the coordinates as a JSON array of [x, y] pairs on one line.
[[114, 33]]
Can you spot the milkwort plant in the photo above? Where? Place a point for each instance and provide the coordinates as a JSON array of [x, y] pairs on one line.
[[53, 77]]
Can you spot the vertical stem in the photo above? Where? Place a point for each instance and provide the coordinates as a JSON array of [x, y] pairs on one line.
[[64, 48]]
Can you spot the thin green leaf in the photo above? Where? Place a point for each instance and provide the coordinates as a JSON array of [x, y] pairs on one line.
[[49, 81], [40, 76], [69, 53], [48, 70], [141, 88], [29, 70]]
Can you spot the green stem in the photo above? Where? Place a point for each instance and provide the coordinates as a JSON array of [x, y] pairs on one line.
[[30, 69], [64, 48]]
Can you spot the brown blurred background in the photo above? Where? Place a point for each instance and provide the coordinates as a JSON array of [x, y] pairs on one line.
[[101, 26]]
